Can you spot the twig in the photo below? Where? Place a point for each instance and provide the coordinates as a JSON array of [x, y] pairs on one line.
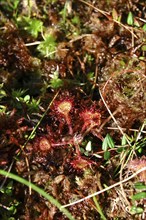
[[33, 43], [124, 129]]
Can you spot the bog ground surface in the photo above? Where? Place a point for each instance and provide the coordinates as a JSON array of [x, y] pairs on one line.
[[72, 109]]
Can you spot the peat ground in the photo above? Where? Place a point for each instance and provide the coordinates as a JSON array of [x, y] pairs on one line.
[[73, 108]]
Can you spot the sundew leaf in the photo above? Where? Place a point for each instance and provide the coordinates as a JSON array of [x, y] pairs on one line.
[[130, 19]]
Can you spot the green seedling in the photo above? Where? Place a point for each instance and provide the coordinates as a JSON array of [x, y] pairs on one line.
[[47, 48], [21, 99], [76, 20], [135, 209], [55, 81], [130, 19], [106, 144], [32, 26], [115, 15], [8, 204]]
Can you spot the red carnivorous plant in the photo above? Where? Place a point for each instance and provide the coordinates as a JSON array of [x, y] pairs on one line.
[[71, 119]]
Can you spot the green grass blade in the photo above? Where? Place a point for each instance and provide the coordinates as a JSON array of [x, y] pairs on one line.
[[99, 208], [38, 190]]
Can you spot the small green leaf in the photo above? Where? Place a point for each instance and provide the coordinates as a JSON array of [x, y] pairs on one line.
[[143, 48], [56, 83], [140, 186], [48, 47], [120, 149], [15, 4], [12, 209], [144, 27], [136, 23], [27, 98], [106, 155], [136, 210], [75, 20], [107, 143], [88, 146], [2, 92], [141, 58], [33, 105], [124, 140], [7, 189], [110, 141], [114, 14], [3, 109], [138, 196], [140, 150], [130, 19], [17, 94], [90, 76], [34, 27]]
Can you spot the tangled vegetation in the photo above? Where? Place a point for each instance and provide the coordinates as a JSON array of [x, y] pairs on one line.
[[72, 109]]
